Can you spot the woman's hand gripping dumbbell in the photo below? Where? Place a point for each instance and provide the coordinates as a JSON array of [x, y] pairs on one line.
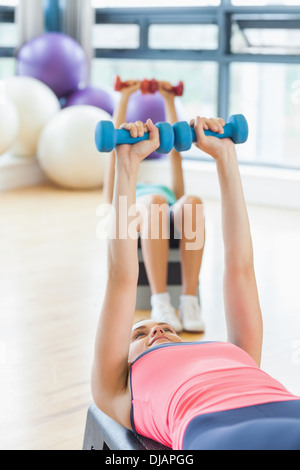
[[152, 86], [148, 86], [181, 135]]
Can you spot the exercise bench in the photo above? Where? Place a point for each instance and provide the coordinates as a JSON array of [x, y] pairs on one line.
[[103, 433]]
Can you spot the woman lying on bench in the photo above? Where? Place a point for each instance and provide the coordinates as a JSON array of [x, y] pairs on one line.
[[204, 395]]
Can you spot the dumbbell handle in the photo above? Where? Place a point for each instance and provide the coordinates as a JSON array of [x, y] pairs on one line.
[[107, 137], [124, 137], [151, 86], [235, 129], [147, 84], [228, 132]]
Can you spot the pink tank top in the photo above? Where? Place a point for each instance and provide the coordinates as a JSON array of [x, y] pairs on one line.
[[173, 383]]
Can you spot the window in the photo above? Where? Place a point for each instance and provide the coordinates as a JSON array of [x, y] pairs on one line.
[[266, 2], [266, 34], [152, 3], [9, 3], [200, 78], [8, 37], [262, 91], [116, 36], [234, 56], [187, 36]]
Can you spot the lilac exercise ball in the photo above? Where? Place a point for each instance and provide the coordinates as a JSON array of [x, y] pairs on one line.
[[100, 97], [142, 107], [55, 59]]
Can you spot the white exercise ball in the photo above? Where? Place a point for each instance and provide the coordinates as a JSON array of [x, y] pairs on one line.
[[67, 151], [36, 104], [9, 124]]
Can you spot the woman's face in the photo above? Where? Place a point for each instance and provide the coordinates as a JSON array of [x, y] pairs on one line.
[[148, 333]]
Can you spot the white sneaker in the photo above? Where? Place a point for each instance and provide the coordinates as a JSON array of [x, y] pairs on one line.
[[190, 314], [162, 311]]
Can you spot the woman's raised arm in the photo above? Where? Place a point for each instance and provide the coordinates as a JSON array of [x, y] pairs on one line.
[[242, 308], [110, 366]]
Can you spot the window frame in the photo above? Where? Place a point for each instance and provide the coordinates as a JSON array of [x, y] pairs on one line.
[[144, 18], [222, 15], [7, 15]]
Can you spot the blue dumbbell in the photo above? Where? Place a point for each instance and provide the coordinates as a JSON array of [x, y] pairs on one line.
[[180, 135], [236, 129], [107, 137]]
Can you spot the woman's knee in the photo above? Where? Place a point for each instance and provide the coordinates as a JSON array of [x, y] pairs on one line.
[[155, 211], [189, 209], [191, 200], [152, 200], [158, 199]]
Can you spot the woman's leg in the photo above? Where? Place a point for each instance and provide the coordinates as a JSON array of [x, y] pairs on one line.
[[154, 240], [155, 232], [270, 426], [189, 223]]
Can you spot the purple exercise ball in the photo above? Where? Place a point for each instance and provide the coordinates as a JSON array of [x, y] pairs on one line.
[[55, 59], [142, 107], [100, 97]]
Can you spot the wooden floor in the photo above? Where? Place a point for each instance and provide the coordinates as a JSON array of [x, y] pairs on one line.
[[52, 279]]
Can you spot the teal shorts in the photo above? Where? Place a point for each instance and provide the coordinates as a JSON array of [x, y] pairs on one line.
[[143, 189]]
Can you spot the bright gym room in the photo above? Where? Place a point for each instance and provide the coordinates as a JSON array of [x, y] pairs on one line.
[[64, 65]]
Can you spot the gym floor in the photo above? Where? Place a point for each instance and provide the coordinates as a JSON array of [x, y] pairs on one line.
[[52, 279]]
